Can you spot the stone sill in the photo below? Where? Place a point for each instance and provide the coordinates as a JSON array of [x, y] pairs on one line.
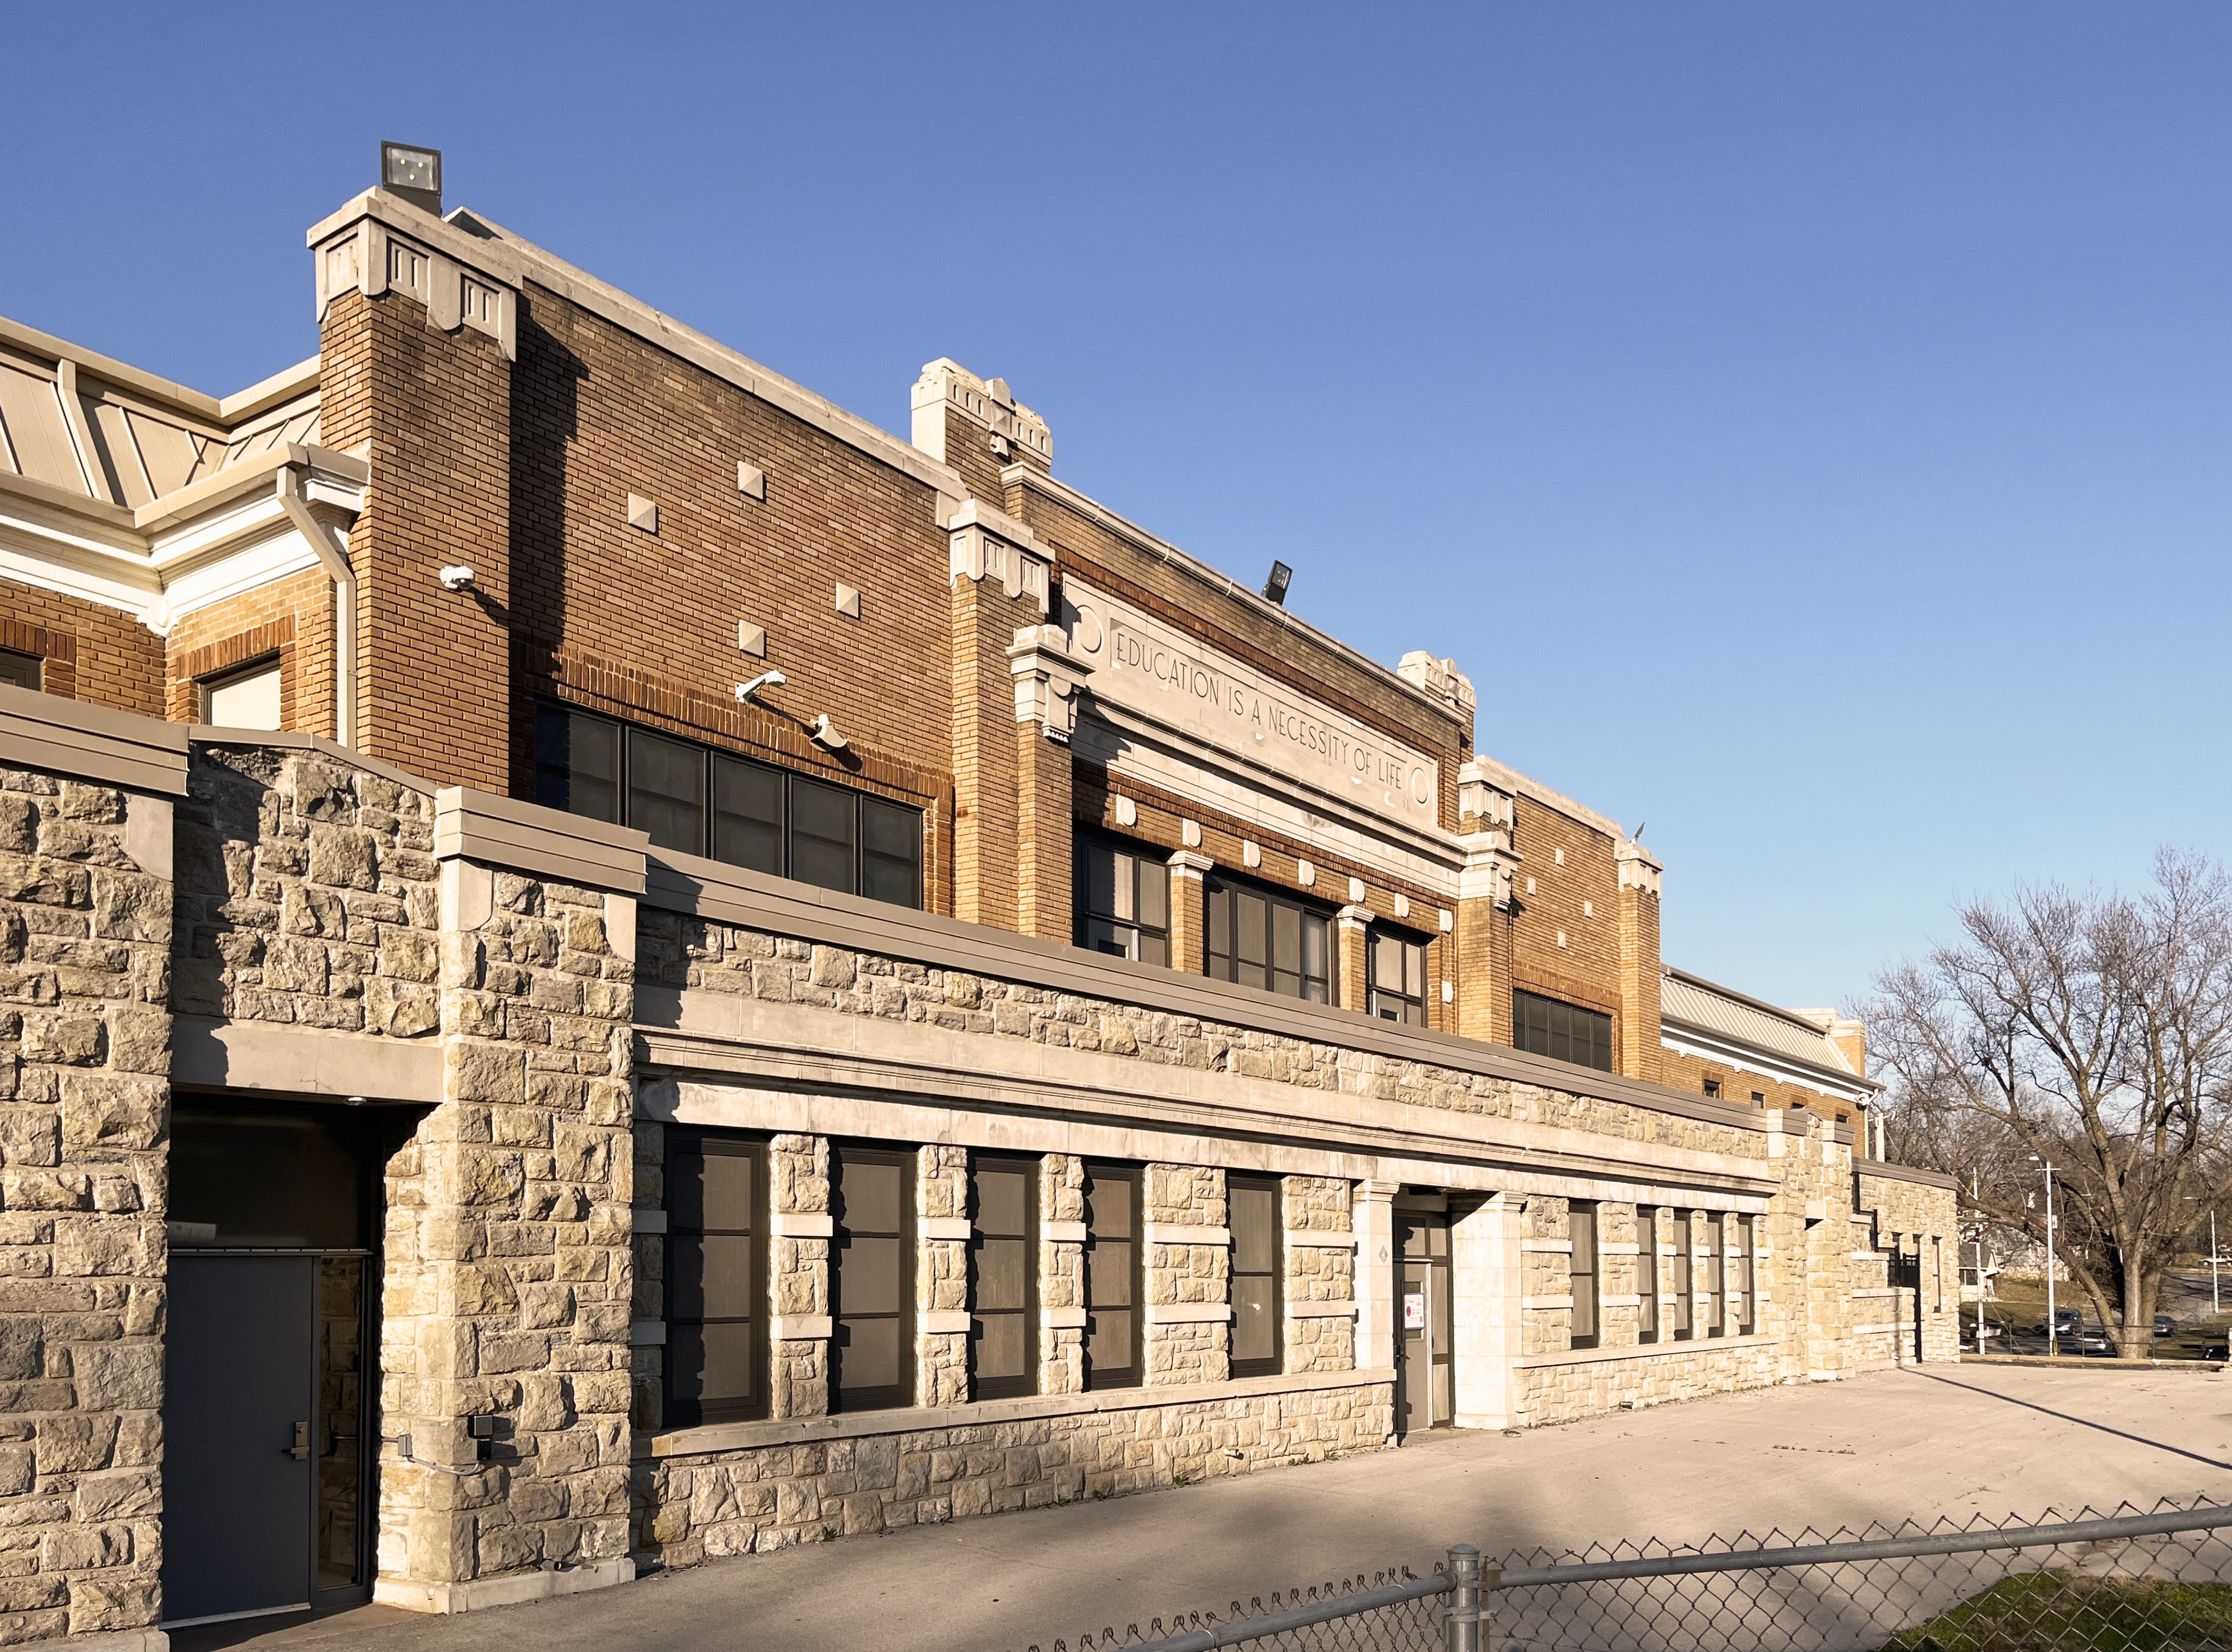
[[793, 1431], [1647, 1350]]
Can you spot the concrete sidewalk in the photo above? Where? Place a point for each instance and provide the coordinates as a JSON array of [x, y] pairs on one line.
[[1994, 1440]]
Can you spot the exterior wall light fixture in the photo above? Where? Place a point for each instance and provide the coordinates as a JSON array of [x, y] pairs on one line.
[[413, 174], [456, 577], [1274, 588], [825, 736]]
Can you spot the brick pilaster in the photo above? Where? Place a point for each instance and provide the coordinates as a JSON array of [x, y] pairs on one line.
[[1350, 930], [1189, 942], [1640, 1051]]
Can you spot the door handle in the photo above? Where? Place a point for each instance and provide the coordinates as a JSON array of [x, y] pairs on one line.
[[300, 1451]]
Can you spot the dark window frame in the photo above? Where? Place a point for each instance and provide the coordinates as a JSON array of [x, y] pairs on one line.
[[271, 662], [1584, 1322], [1748, 1246], [1685, 1280], [1150, 942], [1716, 1271], [872, 814], [1409, 1006], [681, 1412], [1004, 1388], [1097, 1173], [890, 1396], [1276, 1363], [1541, 1025], [1222, 892], [17, 664]]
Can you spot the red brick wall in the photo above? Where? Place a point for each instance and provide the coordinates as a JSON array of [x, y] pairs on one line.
[[292, 618], [93, 653]]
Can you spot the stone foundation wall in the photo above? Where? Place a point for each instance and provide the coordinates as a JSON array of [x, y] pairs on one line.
[[1564, 1393], [1061, 1276], [86, 935], [1188, 1275], [798, 1274], [694, 1507], [1923, 1222], [1318, 1204]]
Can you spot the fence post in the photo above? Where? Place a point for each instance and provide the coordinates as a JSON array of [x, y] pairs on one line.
[[1461, 1628]]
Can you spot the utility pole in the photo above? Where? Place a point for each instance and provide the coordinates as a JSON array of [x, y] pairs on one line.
[[2053, 1326], [2215, 1301]]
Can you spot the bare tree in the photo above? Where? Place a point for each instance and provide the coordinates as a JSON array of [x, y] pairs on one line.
[[2093, 1033]]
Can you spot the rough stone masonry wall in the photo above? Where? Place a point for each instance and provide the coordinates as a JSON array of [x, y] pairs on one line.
[[308, 895], [798, 1274], [1061, 1276], [1546, 1261], [85, 978], [941, 1358], [1318, 1204], [1923, 1214], [697, 952], [1188, 1275], [508, 1265], [757, 1500], [1563, 1393]]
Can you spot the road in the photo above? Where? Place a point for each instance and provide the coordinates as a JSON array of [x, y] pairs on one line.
[[1996, 1439]]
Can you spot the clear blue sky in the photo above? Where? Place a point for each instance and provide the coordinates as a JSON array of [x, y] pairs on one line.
[[1807, 425]]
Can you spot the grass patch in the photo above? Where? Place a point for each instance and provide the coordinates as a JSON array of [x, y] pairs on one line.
[[2057, 1611]]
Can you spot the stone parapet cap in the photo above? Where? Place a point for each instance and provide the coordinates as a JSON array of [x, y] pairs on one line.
[[80, 740], [503, 833], [1191, 863], [945, 384], [717, 1437]]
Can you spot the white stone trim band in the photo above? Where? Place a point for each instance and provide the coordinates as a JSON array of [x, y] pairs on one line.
[[1320, 1310], [802, 1224], [1063, 1233], [944, 1227], [1188, 1313], [1062, 1318], [942, 1321], [800, 1327], [1159, 1232], [1312, 1238]]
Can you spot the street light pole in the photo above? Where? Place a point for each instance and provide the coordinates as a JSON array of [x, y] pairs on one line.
[[2216, 1302], [2053, 1326]]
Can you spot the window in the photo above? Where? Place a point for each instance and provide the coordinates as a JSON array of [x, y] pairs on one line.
[[1646, 1273], [699, 801], [1581, 1226], [1252, 1203], [1123, 901], [1759, 1098], [717, 1286], [20, 670], [1564, 1031], [872, 1278], [1937, 1263], [246, 698], [1003, 1257], [1715, 1279], [1114, 1286], [1260, 939], [1398, 977], [1748, 1281], [1683, 1328], [1712, 1089]]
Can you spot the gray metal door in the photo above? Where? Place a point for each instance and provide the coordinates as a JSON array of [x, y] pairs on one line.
[[1423, 1341], [240, 1411]]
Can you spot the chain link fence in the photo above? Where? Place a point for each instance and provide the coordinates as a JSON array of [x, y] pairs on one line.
[[2133, 1580]]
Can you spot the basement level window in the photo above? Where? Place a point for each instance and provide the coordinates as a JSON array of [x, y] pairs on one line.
[[700, 801], [1564, 1031], [19, 670], [1712, 1089]]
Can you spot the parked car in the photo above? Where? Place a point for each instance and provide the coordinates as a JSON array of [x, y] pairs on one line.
[[2163, 1326], [2067, 1323]]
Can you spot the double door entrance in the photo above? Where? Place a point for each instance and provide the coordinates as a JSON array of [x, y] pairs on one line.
[[1424, 1388]]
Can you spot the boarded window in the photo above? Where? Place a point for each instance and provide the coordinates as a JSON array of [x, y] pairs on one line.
[[872, 1278], [1002, 1250], [716, 1290], [1253, 1202], [1581, 1225], [247, 698], [1114, 1286]]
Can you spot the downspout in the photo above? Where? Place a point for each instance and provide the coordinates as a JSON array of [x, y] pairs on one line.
[[334, 559]]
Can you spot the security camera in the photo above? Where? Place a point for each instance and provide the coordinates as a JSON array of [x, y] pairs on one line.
[[825, 736], [764, 680], [456, 577]]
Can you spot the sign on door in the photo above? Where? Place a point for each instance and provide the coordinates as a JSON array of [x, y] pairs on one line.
[[1414, 1311]]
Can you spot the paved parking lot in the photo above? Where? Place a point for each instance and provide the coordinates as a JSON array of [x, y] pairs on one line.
[[1959, 1440]]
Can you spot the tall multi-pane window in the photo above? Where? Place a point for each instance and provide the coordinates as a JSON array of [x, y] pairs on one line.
[[1002, 1244], [1123, 901], [1683, 1328], [872, 1278], [1398, 977], [1581, 1228], [699, 801], [716, 1282], [1114, 1281], [1747, 1277], [1252, 1203], [1564, 1031], [1646, 1272], [1261, 939], [1715, 1279], [1937, 1260], [19, 670]]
